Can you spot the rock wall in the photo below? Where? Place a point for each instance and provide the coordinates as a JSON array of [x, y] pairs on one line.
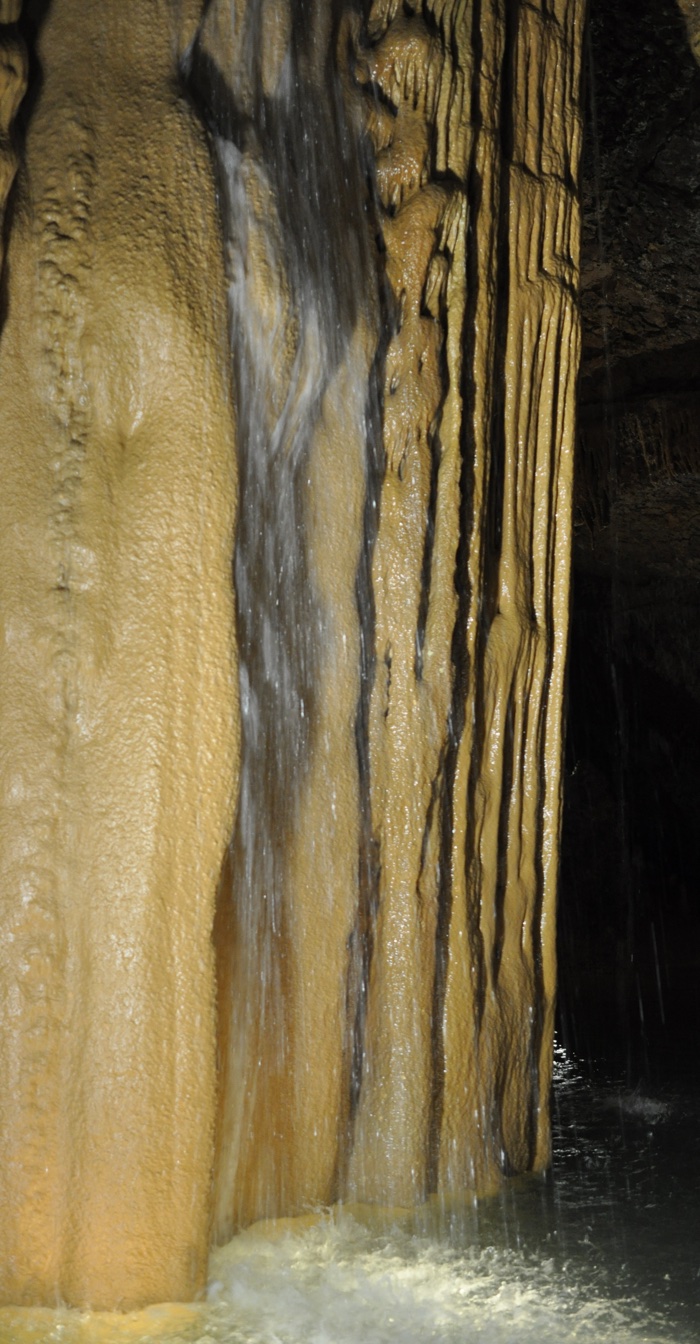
[[13, 83], [690, 9], [629, 846]]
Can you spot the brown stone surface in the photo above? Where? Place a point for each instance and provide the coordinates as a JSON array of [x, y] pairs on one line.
[[13, 82], [117, 679], [435, 974], [512, 799], [402, 282]]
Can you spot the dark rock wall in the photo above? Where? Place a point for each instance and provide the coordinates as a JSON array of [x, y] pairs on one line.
[[629, 927]]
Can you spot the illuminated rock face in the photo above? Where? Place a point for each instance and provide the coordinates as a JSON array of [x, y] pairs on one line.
[[117, 678], [410, 974], [403, 326]]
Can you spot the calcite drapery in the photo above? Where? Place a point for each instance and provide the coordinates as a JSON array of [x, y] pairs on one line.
[[440, 942]]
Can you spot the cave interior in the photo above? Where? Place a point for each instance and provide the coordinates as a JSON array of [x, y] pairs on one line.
[[629, 918]]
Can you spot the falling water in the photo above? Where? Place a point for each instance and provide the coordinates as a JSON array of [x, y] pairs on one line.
[[303, 338]]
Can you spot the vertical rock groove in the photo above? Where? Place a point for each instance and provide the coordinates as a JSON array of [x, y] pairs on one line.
[[406, 68], [508, 816]]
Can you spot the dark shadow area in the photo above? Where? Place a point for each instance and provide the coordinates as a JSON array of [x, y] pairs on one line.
[[629, 931]]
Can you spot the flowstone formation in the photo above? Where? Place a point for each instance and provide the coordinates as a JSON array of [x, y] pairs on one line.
[[477, 157], [117, 669], [397, 237], [409, 962], [399, 956]]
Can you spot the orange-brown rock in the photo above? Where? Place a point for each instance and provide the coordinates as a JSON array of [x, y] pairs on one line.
[[400, 250], [117, 678], [393, 976]]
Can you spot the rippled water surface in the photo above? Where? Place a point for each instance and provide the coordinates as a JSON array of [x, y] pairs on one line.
[[605, 1248]]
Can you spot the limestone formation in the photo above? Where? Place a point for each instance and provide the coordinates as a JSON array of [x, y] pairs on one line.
[[117, 676], [417, 989], [470, 580], [397, 235], [304, 336]]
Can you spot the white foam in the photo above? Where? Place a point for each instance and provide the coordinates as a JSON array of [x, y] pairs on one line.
[[339, 1283]]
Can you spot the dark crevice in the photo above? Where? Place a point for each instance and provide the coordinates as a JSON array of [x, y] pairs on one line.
[[435, 792], [501, 888], [495, 473], [428, 546], [538, 1007], [361, 941], [435, 460]]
